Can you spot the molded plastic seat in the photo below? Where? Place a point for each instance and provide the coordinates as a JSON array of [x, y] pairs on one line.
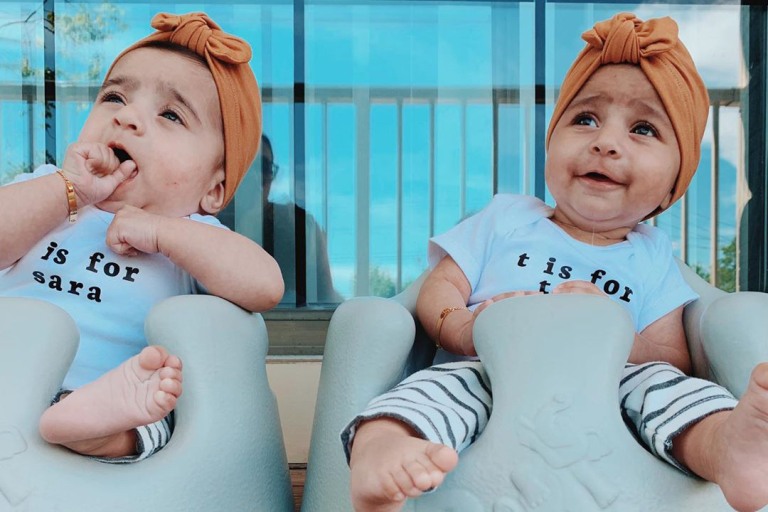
[[555, 440], [226, 453]]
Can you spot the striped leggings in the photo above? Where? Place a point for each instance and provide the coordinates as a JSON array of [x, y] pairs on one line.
[[150, 439], [451, 404]]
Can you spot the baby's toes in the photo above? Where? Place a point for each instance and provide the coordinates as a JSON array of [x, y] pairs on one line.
[[173, 362], [166, 401], [171, 386], [390, 488], [760, 376], [420, 475], [444, 458], [152, 358], [404, 483], [170, 373]]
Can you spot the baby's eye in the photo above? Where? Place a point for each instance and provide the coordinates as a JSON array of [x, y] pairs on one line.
[[645, 129], [111, 97], [585, 119], [172, 116]]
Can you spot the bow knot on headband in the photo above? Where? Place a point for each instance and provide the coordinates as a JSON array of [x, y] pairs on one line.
[[200, 33], [626, 39]]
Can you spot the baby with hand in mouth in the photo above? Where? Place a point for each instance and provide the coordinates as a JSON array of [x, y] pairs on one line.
[[129, 220]]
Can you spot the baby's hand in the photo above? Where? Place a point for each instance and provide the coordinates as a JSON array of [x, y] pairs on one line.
[[133, 230], [578, 287], [95, 171], [502, 296]]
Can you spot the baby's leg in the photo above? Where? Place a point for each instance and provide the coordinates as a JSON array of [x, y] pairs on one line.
[[408, 438], [389, 463], [99, 418], [731, 447]]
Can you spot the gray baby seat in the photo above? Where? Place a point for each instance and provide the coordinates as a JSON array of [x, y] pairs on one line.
[[226, 453], [555, 441]]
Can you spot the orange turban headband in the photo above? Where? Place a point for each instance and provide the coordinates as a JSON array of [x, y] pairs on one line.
[[227, 57], [655, 47]]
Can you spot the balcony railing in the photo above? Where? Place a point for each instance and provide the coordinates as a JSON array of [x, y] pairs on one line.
[[30, 99]]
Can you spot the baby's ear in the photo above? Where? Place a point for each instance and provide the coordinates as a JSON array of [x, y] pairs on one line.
[[213, 201]]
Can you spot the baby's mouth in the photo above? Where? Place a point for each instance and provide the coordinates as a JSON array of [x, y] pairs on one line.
[[121, 154], [600, 179], [596, 176]]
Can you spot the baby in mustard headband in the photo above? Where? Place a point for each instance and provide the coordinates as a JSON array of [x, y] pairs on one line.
[[129, 220], [623, 145]]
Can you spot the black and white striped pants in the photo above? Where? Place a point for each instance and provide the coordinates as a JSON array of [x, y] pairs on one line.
[[150, 439], [451, 404]]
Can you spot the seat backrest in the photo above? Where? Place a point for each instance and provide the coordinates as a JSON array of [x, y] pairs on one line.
[[227, 450], [726, 333]]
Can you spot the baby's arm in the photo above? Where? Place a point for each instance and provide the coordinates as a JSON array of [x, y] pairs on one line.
[[663, 340], [226, 263], [32, 208], [446, 287]]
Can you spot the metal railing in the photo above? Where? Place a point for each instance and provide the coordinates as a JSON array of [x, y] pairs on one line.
[[362, 99]]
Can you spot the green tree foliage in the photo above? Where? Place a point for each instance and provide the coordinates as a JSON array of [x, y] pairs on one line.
[[726, 268], [91, 23], [381, 283]]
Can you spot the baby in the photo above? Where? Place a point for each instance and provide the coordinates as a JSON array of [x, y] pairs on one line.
[[623, 145], [129, 220]]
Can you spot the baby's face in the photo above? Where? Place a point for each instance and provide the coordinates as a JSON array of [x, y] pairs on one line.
[[613, 156], [160, 109]]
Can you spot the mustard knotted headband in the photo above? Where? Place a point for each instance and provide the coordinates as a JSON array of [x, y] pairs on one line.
[[654, 46], [227, 57]]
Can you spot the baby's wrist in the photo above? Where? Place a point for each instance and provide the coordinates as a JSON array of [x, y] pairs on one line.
[[456, 332], [467, 339], [164, 229], [83, 199], [72, 199]]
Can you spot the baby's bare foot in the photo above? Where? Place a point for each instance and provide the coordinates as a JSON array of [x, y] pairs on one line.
[[142, 390], [742, 471], [388, 464]]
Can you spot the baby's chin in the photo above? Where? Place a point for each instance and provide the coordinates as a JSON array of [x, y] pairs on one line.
[[585, 225], [118, 198], [110, 205]]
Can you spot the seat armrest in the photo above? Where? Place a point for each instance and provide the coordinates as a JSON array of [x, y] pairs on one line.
[[43, 336], [409, 296], [227, 449], [223, 349], [727, 333], [367, 350], [734, 336]]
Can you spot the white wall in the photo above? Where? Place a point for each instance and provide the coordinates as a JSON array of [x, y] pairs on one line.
[[294, 382]]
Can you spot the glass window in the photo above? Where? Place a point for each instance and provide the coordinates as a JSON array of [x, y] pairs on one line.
[[22, 96], [388, 122]]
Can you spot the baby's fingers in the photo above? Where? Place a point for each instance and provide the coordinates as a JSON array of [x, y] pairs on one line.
[[124, 171], [122, 248], [577, 287], [100, 160], [502, 296]]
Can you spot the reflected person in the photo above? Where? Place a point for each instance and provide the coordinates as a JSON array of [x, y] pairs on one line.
[[279, 239]]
